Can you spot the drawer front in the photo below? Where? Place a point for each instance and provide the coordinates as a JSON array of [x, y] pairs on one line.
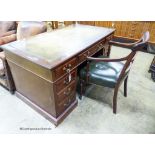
[[64, 68], [61, 107], [109, 38], [91, 51], [101, 44], [96, 47], [64, 82], [83, 56], [66, 92]]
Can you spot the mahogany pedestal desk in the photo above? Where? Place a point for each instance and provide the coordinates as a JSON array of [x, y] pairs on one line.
[[44, 67]]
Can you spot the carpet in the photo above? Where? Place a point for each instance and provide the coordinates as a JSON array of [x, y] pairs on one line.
[[135, 114]]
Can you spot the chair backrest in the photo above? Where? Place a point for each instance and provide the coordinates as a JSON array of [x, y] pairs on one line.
[[131, 57]]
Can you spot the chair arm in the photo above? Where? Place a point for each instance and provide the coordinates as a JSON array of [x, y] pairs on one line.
[[123, 44], [107, 60]]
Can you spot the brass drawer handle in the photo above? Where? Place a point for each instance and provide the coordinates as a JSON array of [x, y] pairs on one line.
[[66, 81], [69, 65], [64, 69], [67, 69], [67, 92], [109, 38], [85, 55], [66, 104], [69, 101], [101, 44], [99, 47]]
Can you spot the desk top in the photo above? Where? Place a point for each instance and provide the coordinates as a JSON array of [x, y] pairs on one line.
[[50, 48]]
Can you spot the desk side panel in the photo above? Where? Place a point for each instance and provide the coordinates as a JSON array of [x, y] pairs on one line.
[[37, 89], [39, 70]]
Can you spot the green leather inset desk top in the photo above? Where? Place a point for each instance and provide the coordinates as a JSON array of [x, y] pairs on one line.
[[50, 48]]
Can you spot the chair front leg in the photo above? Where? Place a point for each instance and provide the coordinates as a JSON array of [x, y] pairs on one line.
[[125, 86], [115, 99], [108, 50], [81, 89]]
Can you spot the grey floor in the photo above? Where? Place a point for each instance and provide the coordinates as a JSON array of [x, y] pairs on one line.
[[136, 113]]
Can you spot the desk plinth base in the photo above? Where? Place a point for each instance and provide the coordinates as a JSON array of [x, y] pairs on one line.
[[55, 121]]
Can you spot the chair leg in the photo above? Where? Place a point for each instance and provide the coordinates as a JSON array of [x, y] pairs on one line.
[[115, 100], [125, 86], [109, 50], [81, 89]]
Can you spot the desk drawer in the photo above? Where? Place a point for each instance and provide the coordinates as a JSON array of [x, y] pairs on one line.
[[66, 92], [91, 51], [82, 57], [61, 107], [96, 47], [63, 82], [109, 38], [63, 69]]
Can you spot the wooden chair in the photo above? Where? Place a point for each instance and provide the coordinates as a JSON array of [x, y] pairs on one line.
[[111, 72]]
